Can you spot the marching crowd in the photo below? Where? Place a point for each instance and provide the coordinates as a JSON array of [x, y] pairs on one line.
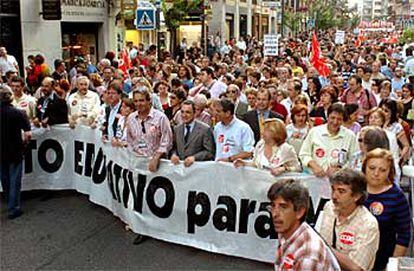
[[235, 105]]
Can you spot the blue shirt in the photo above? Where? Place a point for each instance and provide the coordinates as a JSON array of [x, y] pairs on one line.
[[392, 212], [233, 139]]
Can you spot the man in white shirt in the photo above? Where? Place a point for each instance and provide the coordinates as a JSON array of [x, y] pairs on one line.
[[212, 86], [7, 62], [328, 147], [294, 88], [83, 105], [234, 138], [21, 100]]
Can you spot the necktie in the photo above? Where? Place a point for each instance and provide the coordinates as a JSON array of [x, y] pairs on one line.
[[261, 123], [187, 132]]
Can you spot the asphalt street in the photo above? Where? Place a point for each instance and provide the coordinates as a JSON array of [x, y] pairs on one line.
[[67, 232]]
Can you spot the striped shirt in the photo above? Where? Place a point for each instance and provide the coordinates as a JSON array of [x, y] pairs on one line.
[[392, 211], [149, 136], [357, 236], [305, 250]]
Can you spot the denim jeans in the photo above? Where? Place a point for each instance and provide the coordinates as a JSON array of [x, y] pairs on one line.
[[11, 182]]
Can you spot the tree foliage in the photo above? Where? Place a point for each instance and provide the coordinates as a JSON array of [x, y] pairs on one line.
[[407, 36], [176, 12]]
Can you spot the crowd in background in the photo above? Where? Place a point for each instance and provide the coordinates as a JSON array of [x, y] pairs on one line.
[[238, 106]]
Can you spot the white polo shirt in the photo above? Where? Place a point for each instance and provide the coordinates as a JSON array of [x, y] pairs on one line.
[[233, 139], [324, 148]]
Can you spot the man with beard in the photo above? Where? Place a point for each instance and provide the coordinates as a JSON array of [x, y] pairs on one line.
[[346, 225]]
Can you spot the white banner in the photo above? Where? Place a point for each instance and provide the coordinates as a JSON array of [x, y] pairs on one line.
[[211, 206]]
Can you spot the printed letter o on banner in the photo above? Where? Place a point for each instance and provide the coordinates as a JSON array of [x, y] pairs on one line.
[[41, 155], [165, 184]]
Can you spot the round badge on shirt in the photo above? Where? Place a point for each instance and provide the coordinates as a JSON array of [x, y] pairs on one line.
[[335, 153], [319, 152], [376, 208], [74, 102], [220, 138], [289, 261]]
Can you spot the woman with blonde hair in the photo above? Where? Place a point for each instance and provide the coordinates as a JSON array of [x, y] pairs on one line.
[[272, 152], [388, 204]]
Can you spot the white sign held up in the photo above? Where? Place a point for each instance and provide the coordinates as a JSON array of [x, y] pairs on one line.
[[340, 37], [271, 45]]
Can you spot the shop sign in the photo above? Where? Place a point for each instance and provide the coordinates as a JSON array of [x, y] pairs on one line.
[[84, 10], [271, 45], [145, 19], [271, 4], [51, 10]]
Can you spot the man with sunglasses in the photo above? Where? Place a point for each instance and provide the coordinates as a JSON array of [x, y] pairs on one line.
[[149, 131]]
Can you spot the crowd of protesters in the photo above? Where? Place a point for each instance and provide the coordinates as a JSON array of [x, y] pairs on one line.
[[279, 114]]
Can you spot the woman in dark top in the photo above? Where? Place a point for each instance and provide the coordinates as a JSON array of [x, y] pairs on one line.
[[314, 88], [328, 96], [388, 204], [407, 101], [176, 98]]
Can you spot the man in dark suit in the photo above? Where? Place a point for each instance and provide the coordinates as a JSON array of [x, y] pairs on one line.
[[255, 118], [113, 108], [50, 109], [193, 140]]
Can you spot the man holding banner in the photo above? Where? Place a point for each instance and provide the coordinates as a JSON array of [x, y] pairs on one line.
[[234, 138], [300, 247], [193, 139], [149, 130]]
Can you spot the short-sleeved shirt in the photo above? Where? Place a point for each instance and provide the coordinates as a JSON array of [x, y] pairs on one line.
[[151, 135], [304, 250], [216, 89], [88, 105], [324, 148], [27, 104], [233, 139], [7, 64], [357, 236]]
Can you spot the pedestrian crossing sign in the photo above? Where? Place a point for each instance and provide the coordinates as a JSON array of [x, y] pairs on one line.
[[145, 19]]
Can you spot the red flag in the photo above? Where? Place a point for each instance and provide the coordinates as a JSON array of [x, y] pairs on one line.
[[317, 60], [125, 62], [359, 40]]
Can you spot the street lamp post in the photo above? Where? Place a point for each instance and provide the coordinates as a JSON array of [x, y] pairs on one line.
[[158, 27]]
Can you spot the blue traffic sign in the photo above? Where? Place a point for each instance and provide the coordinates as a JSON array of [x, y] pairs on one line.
[[145, 19]]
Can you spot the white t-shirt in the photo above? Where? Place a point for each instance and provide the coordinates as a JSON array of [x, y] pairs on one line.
[[7, 64]]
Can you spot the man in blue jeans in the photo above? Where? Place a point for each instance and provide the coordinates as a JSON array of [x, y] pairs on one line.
[[12, 122]]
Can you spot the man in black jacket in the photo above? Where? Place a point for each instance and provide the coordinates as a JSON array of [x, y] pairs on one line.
[[50, 109], [13, 121], [255, 118], [112, 110]]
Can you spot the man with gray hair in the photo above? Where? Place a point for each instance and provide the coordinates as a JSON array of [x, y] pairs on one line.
[[346, 225], [300, 247], [13, 122], [84, 105]]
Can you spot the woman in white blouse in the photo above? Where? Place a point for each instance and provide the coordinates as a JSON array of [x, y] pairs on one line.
[[272, 152], [299, 128]]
